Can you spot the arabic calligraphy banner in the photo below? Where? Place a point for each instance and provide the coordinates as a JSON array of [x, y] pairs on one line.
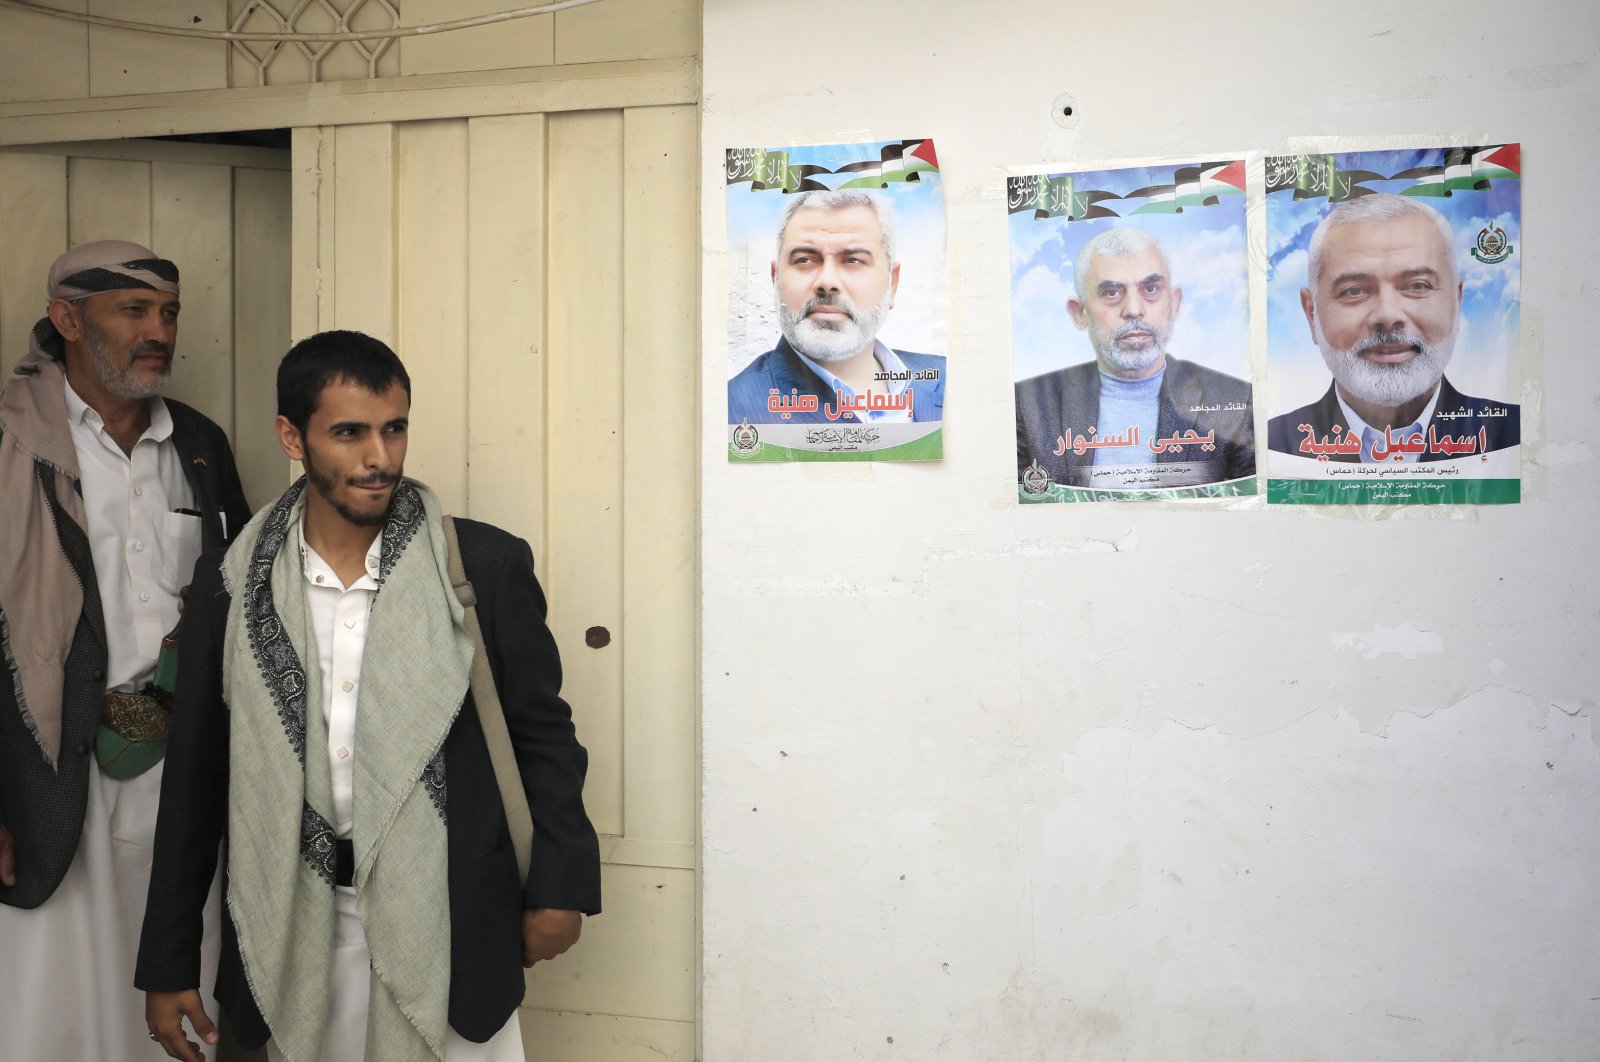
[[836, 316], [1131, 333], [1393, 311]]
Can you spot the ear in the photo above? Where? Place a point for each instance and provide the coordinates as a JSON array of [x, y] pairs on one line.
[[289, 438], [1177, 301], [1310, 309], [894, 283], [1079, 318], [774, 270], [66, 319]]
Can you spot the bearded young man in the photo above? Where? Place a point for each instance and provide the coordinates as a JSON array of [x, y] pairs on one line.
[[1383, 303], [1125, 298], [324, 727], [834, 281], [110, 494]]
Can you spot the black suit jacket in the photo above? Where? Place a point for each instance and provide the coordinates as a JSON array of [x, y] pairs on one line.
[[44, 808], [1050, 404], [1284, 434], [781, 368], [486, 903]]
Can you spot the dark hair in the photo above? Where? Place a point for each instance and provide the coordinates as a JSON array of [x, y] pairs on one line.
[[316, 361]]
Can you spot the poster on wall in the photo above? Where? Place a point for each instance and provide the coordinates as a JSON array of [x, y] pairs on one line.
[[1130, 316], [836, 316], [1393, 308]]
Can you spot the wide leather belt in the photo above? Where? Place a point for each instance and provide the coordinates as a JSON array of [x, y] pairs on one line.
[[344, 863]]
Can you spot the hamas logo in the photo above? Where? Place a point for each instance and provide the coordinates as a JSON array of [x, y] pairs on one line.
[[1035, 480], [1492, 245], [746, 440]]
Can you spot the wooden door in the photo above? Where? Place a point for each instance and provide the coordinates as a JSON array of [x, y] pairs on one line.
[[537, 274]]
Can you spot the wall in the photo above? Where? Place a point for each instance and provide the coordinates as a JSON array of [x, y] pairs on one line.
[[987, 782], [47, 58]]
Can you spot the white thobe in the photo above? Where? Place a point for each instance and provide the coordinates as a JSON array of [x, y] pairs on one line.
[[66, 967]]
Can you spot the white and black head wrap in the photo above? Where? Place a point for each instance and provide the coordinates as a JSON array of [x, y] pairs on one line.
[[109, 265]]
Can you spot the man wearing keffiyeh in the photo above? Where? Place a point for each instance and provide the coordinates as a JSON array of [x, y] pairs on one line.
[[324, 726], [108, 493]]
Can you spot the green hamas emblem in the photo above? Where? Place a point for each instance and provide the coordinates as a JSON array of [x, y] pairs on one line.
[[1492, 245]]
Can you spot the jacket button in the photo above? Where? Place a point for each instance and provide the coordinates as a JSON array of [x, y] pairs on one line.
[[99, 674], [83, 749]]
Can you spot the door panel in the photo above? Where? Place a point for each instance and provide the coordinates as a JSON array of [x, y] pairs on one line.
[[537, 273]]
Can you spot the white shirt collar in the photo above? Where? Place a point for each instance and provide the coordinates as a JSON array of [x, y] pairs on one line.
[[888, 361], [319, 573], [1353, 423]]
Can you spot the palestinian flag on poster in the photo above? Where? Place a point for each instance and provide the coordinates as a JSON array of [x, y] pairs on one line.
[[1056, 196], [897, 163], [1206, 183], [1158, 199], [764, 169], [1503, 161], [1464, 169]]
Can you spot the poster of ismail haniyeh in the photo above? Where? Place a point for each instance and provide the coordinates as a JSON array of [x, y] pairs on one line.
[[1393, 312], [1130, 316], [835, 304]]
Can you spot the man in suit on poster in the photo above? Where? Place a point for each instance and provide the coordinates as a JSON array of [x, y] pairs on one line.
[[1383, 302], [1127, 301], [834, 281]]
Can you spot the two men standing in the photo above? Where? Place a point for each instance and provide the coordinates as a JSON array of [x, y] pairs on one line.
[[322, 732], [111, 493]]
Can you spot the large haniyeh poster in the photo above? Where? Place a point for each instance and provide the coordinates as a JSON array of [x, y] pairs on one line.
[[835, 303], [1131, 333], [1393, 306]]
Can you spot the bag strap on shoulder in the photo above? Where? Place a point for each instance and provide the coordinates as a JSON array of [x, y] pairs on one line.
[[492, 717]]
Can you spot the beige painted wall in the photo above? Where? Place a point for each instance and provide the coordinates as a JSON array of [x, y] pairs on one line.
[[46, 58]]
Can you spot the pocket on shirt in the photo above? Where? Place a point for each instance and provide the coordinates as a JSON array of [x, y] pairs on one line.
[[180, 548]]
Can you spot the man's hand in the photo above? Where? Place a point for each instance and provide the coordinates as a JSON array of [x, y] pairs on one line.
[[8, 859], [547, 932], [164, 1013]]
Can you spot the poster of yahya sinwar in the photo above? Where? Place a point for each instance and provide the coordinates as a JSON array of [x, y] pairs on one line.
[[1131, 333]]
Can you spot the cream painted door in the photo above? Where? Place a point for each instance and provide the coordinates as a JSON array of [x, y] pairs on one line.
[[537, 274], [220, 213]]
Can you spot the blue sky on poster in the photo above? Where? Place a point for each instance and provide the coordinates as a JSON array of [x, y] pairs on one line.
[[918, 320], [1206, 254], [1487, 340]]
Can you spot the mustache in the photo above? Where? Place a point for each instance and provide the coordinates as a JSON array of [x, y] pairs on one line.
[[838, 302], [1134, 328], [147, 346], [1388, 337], [381, 479]]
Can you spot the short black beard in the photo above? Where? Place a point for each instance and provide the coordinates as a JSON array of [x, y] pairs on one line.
[[325, 484]]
